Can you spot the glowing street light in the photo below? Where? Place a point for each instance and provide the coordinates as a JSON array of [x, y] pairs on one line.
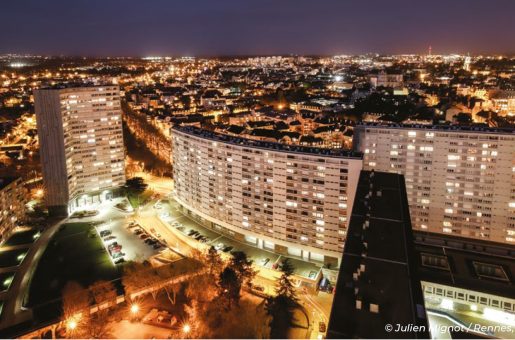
[[134, 309], [71, 324], [186, 328]]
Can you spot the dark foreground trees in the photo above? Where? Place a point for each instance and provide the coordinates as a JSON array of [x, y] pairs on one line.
[[281, 306]]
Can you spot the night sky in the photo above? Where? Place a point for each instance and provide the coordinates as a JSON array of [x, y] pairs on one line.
[[247, 27]]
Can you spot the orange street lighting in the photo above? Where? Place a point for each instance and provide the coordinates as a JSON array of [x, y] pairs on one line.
[[186, 328], [134, 309], [71, 324]]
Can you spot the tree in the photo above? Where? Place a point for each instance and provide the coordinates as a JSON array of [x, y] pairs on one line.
[[284, 285], [75, 299], [242, 265], [136, 185], [76, 309], [214, 262], [280, 307], [201, 288], [103, 292], [229, 287]]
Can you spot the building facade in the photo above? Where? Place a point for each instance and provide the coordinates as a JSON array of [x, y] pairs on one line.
[[13, 197], [288, 199], [81, 144], [459, 181]]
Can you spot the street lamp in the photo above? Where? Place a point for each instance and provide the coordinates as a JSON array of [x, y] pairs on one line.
[[134, 309], [186, 328], [71, 324]]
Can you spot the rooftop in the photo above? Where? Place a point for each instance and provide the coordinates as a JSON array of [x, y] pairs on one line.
[[460, 254], [218, 137], [75, 85], [378, 282], [5, 181], [450, 128]]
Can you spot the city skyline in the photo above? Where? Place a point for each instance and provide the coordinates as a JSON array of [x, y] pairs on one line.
[[257, 169], [203, 28]]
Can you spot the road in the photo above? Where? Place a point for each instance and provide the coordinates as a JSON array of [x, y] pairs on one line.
[[13, 311]]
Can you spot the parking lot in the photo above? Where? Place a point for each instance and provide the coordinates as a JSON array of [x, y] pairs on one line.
[[125, 240], [261, 257]]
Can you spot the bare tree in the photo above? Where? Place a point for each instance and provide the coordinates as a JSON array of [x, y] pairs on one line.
[[103, 292], [75, 299]]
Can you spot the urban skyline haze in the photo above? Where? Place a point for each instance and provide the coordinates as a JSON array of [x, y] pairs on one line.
[[228, 27]]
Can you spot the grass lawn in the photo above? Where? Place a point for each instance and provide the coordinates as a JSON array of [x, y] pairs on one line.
[[12, 257], [76, 254], [137, 200], [23, 237]]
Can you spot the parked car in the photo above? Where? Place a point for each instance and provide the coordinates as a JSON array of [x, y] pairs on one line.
[[157, 245], [119, 261], [138, 232], [105, 233], [227, 249], [114, 250], [109, 238], [112, 245], [322, 327], [117, 255], [219, 246], [144, 236]]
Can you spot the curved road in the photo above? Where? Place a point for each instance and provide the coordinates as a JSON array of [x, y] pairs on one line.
[[13, 311]]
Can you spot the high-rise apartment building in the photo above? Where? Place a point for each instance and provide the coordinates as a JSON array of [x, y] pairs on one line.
[[13, 197], [81, 144], [288, 199], [459, 180]]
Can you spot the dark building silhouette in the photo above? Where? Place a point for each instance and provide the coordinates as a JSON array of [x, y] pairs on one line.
[[378, 283]]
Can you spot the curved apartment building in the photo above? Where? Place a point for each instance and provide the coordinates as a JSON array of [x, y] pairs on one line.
[[288, 199]]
